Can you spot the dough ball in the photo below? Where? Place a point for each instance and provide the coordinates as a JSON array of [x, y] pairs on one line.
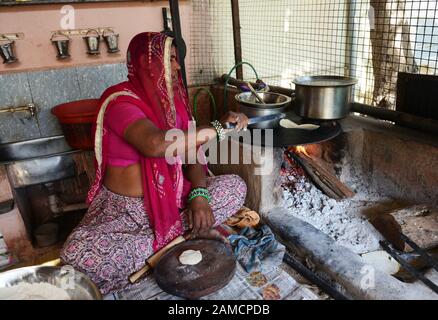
[[190, 257]]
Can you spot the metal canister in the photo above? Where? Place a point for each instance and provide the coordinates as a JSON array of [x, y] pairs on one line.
[[323, 97]]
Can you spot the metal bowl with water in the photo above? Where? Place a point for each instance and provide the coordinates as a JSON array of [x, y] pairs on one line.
[[75, 283], [275, 103]]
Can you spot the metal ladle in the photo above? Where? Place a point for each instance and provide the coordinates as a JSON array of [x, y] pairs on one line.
[[255, 93]]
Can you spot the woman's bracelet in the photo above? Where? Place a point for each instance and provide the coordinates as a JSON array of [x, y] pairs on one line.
[[219, 129], [199, 192]]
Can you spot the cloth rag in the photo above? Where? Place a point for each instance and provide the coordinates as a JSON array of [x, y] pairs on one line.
[[257, 249]]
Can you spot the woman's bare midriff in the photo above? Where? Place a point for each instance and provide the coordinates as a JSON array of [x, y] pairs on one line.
[[125, 181]]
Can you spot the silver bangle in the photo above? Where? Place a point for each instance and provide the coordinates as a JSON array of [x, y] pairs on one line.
[[219, 130]]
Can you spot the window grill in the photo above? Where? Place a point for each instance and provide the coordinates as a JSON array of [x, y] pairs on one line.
[[369, 40]]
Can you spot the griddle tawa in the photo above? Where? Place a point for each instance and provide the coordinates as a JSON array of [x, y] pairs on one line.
[[214, 272], [285, 137]]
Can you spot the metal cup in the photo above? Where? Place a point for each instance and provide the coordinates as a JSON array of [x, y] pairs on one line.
[[7, 52], [92, 42], [61, 46], [112, 41]]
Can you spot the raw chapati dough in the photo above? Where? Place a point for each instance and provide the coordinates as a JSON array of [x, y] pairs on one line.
[[289, 124], [33, 291], [190, 257]]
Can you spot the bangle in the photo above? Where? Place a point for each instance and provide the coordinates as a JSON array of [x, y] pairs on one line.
[[199, 192], [219, 130]]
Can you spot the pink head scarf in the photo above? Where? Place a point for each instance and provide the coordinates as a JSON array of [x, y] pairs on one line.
[[149, 79]]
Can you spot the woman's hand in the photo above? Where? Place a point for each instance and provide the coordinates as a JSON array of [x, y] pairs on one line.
[[239, 119], [200, 215]]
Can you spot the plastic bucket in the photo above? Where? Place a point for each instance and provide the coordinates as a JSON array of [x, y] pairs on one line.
[[76, 119]]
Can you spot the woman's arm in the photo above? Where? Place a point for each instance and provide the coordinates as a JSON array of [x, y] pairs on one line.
[[199, 212], [195, 173], [151, 141]]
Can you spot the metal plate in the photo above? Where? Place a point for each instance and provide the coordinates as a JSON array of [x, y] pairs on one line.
[[283, 137], [77, 284], [216, 269]]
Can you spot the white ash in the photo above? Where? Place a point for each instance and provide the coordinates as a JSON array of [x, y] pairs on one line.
[[341, 220]]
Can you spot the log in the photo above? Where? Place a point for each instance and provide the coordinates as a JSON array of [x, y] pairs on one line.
[[322, 177], [234, 82], [400, 118]]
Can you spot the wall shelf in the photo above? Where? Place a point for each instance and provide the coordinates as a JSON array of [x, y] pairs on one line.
[[82, 32], [11, 36]]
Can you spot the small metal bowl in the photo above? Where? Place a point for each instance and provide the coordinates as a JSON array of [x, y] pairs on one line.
[[275, 103], [271, 99], [77, 284]]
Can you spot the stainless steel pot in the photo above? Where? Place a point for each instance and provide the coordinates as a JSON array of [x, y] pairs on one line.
[[275, 103], [323, 97]]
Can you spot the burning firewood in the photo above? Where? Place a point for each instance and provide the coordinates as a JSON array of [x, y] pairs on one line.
[[319, 172]]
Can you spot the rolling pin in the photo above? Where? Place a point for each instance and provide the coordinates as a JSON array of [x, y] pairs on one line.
[[152, 260]]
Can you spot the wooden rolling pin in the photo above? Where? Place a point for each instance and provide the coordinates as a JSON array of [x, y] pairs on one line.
[[152, 260]]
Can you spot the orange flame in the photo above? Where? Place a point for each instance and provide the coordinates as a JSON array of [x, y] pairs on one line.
[[301, 149]]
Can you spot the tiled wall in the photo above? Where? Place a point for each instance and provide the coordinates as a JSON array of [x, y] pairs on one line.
[[47, 89]]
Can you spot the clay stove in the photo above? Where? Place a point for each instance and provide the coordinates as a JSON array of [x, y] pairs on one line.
[[388, 169]]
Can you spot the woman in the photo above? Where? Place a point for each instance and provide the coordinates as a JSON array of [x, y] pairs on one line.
[[139, 202]]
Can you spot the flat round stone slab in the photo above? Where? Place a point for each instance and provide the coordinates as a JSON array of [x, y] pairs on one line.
[[216, 269]]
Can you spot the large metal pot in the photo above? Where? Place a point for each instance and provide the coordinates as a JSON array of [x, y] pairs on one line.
[[275, 103], [323, 97]]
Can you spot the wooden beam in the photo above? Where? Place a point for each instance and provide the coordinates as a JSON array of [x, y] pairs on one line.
[[176, 26], [237, 38], [400, 118], [237, 83]]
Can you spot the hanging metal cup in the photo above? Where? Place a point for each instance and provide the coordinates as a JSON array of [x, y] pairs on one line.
[[92, 41], [61, 45], [7, 52], [111, 40]]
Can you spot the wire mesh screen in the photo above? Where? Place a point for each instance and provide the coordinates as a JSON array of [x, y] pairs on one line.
[[212, 51], [369, 40]]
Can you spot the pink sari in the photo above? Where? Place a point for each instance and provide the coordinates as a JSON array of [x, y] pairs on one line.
[[149, 86]]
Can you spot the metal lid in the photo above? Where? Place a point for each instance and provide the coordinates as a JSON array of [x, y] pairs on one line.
[[325, 81]]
